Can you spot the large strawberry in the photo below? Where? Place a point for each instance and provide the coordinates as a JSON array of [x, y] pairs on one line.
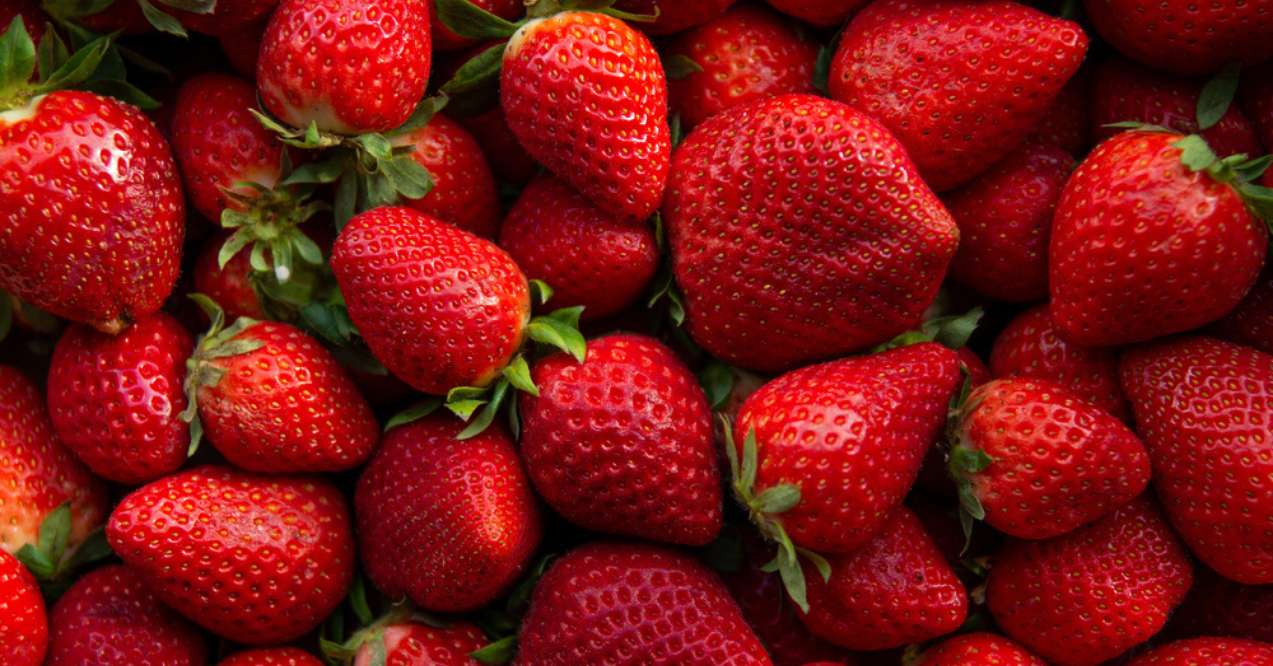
[[618, 604], [463, 189], [24, 629], [252, 558], [1208, 652], [978, 649], [418, 644], [1185, 37], [284, 656], [1251, 323], [821, 13], [671, 16], [115, 400], [448, 523], [1203, 408], [1217, 606], [1067, 122], [800, 230], [1090, 595], [960, 83]]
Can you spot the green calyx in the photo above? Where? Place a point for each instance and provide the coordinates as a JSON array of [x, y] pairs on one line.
[[268, 220], [964, 461], [1236, 171], [951, 331], [201, 370], [66, 11], [52, 560]]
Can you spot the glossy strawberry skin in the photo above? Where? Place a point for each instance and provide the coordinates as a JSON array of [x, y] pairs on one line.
[[351, 66], [280, 543], [463, 189], [284, 656], [445, 40], [115, 400], [1090, 595], [895, 590], [673, 16], [588, 257], [438, 306], [24, 629], [619, 604], [978, 649], [600, 127], [778, 280], [111, 252], [448, 523], [851, 434], [229, 287], [1203, 408], [1208, 652], [746, 54], [1005, 218], [1251, 323], [959, 83], [419, 644], [821, 13], [109, 617], [1217, 606], [1183, 37]]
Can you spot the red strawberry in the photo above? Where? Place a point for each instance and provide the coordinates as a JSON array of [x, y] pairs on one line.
[[115, 401], [895, 590], [24, 630], [1090, 595], [618, 604], [960, 83], [1067, 123], [445, 40], [585, 95], [242, 48], [746, 54], [418, 644], [1004, 218], [1184, 37], [1251, 323], [587, 256], [1036, 461], [1203, 408], [786, 277], [463, 189], [285, 656], [978, 649], [1217, 606], [230, 286], [514, 165], [230, 549], [110, 618], [1132, 219], [438, 306], [673, 16], [350, 66], [821, 13], [448, 523], [978, 373], [1209, 652]]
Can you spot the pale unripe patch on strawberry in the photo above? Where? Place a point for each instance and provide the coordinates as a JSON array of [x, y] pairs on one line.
[[320, 113], [22, 113], [515, 42]]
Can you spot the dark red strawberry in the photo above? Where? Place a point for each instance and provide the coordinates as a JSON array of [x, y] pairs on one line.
[[463, 189], [514, 165], [1203, 408], [285, 656], [1184, 37], [24, 630], [618, 604], [1005, 218], [821, 13], [448, 523], [587, 257], [960, 83], [417, 644], [979, 649], [1067, 122], [1090, 595], [243, 47], [1208, 652], [1256, 93], [445, 40], [228, 286], [228, 17], [789, 277], [229, 549], [1251, 323], [110, 618], [1217, 606], [978, 373], [33, 17], [673, 16]]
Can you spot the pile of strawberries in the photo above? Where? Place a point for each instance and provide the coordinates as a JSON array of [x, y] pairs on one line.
[[636, 332]]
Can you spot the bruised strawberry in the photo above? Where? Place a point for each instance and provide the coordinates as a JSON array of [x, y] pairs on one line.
[[285, 656], [1208, 652], [1251, 323], [417, 644], [1217, 606], [463, 189], [24, 629], [1185, 37], [821, 13], [671, 16], [979, 649]]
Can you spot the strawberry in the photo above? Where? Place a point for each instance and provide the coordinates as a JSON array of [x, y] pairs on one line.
[[1090, 595], [1217, 606], [747, 53], [229, 286], [1067, 123], [109, 617], [774, 281], [1202, 406], [621, 604], [448, 523], [416, 644], [1208, 652], [622, 443], [821, 13], [277, 543], [463, 189], [1144, 207], [489, 128], [1256, 94], [959, 83], [1036, 461], [1182, 37], [1004, 218], [585, 95], [978, 373], [672, 16], [348, 66], [978, 649], [588, 257], [243, 47], [285, 656], [115, 401], [446, 40], [894, 590], [24, 630], [1251, 323]]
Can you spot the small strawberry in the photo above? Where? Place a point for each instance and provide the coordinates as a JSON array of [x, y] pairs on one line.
[[821, 13], [1217, 606], [1251, 323], [285, 656], [1183, 37], [230, 285], [110, 618], [1208, 652], [24, 629], [448, 523], [621, 604], [1067, 123], [417, 644], [463, 189], [1090, 595], [673, 16], [446, 40], [979, 649], [959, 83], [229, 549], [514, 165]]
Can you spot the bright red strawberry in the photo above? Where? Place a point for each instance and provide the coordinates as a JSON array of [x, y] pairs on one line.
[[979, 649], [673, 16], [514, 165], [278, 543], [622, 443], [438, 306], [418, 644], [746, 54], [587, 256], [789, 277], [1036, 461], [350, 66], [463, 189], [1203, 408], [24, 629], [1132, 219], [620, 604], [585, 95], [448, 523], [285, 656], [821, 13], [850, 435], [1251, 323], [115, 400], [1067, 123], [1004, 218], [1217, 606], [445, 40], [110, 618], [960, 83], [1209, 652], [1185, 37], [229, 287], [1090, 595]]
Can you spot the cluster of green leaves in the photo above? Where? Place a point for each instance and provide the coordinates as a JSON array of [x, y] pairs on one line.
[[71, 11], [51, 560], [88, 63]]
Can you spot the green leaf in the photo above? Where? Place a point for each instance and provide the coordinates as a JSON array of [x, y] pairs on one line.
[[409, 178], [17, 56], [52, 54], [680, 66], [1217, 96], [78, 68], [345, 201], [1250, 170], [468, 20], [777, 499], [161, 21], [1195, 153], [731, 450], [423, 113], [94, 549], [540, 291], [822, 67], [819, 562], [413, 413], [676, 130], [358, 602], [480, 71], [518, 374], [717, 380], [487, 416], [305, 246], [955, 331], [375, 145], [55, 532], [37, 562], [788, 566], [192, 6], [558, 330], [232, 245], [499, 652], [747, 477], [321, 172], [967, 460], [464, 408]]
